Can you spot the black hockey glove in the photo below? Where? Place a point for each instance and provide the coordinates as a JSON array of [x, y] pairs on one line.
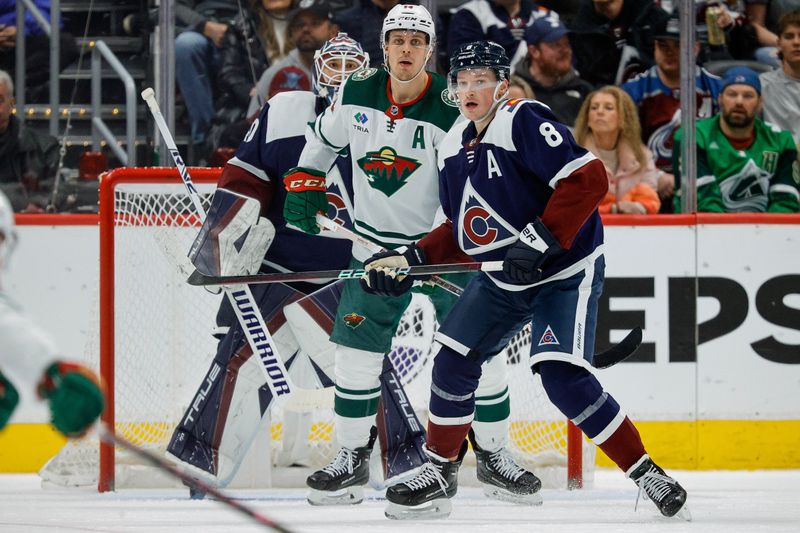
[[380, 279], [524, 260]]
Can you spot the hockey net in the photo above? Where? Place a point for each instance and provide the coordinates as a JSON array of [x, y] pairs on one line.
[[152, 344]]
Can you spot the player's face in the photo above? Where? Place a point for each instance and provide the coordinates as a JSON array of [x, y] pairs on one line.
[[555, 58], [335, 70], [739, 105], [406, 52], [789, 45], [667, 56], [6, 105], [475, 90], [603, 114]]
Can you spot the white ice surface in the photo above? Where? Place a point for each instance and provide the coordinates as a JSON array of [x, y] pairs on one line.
[[719, 501]]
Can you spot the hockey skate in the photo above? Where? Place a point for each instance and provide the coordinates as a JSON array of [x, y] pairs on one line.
[[503, 479], [665, 492], [426, 495], [342, 481]]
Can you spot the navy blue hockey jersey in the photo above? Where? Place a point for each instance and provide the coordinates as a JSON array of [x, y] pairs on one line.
[[270, 148], [492, 188]]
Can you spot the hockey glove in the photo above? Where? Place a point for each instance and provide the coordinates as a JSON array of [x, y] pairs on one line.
[[305, 198], [524, 260], [9, 398], [75, 397], [381, 279], [234, 238]]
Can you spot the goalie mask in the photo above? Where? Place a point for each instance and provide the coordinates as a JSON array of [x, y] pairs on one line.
[[476, 57], [8, 232], [334, 62]]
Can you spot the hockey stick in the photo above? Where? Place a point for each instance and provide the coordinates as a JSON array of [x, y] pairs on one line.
[[373, 248], [241, 298], [620, 351], [196, 278], [165, 466]]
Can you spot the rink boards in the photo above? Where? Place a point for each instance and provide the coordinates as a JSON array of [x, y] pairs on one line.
[[724, 395]]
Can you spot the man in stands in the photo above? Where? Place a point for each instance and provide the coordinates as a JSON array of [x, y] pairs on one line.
[[781, 87], [548, 67], [743, 164], [655, 93]]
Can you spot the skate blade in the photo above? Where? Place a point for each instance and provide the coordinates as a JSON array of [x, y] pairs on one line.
[[506, 496], [431, 510], [348, 496], [684, 514]]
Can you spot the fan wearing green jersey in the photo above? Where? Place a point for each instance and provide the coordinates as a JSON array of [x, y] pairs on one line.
[[392, 121], [744, 165]]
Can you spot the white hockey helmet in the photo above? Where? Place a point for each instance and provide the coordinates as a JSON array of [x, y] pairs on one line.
[[7, 230], [409, 17]]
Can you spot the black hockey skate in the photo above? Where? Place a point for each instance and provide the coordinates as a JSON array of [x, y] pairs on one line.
[[503, 479], [426, 495], [665, 492], [342, 481]]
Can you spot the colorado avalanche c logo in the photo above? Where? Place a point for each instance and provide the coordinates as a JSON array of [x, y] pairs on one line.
[[482, 229]]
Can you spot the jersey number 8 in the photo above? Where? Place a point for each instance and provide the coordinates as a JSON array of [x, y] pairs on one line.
[[550, 134]]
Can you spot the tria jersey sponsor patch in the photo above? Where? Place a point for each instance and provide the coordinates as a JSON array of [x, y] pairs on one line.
[[482, 229], [353, 320], [548, 337], [386, 170]]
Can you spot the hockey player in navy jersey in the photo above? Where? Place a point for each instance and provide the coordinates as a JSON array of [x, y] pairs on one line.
[[392, 121], [245, 232], [516, 187]]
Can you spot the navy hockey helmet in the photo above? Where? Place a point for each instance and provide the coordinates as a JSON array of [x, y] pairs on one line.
[[480, 54]]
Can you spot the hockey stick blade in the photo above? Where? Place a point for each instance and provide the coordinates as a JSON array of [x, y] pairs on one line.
[[197, 278], [620, 351], [165, 466]]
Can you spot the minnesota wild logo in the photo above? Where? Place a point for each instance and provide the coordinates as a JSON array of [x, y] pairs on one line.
[[387, 171], [363, 74], [448, 99], [353, 320]]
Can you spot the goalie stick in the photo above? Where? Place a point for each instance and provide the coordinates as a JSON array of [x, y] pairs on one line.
[[241, 298], [165, 466], [196, 278]]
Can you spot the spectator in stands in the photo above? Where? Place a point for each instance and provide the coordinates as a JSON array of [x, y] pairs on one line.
[[255, 39], [519, 88], [501, 21], [197, 59], [781, 88], [548, 68], [608, 126], [28, 158], [743, 164], [613, 39], [656, 94], [363, 22], [37, 48], [764, 16], [310, 25], [566, 9]]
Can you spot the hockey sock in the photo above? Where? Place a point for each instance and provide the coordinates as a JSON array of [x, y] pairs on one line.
[[492, 405], [357, 393], [578, 394], [452, 403], [9, 398]]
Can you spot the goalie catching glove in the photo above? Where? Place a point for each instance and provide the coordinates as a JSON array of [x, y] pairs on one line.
[[234, 237], [75, 397], [380, 278], [305, 198], [524, 260]]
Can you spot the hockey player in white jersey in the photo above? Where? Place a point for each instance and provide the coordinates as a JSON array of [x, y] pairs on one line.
[[516, 187], [28, 358], [392, 122]]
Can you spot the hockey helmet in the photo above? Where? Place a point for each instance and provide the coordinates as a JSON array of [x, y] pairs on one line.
[[326, 77], [409, 17], [8, 230], [480, 54]]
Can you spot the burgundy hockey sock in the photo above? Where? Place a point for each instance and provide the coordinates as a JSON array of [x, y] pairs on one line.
[[624, 446], [446, 441]]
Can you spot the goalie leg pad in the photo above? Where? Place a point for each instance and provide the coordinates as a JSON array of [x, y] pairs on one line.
[[224, 416], [234, 238]]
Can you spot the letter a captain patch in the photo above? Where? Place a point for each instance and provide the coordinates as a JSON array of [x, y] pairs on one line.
[[548, 337]]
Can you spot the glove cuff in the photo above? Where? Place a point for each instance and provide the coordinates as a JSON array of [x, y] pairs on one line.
[[537, 236], [414, 255], [299, 179]]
